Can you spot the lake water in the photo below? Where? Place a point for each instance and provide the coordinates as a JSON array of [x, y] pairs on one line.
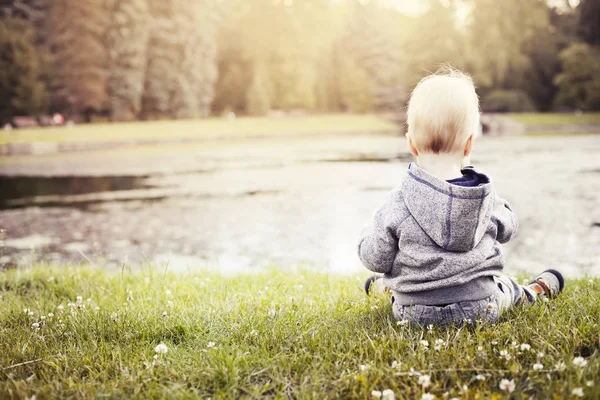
[[249, 204]]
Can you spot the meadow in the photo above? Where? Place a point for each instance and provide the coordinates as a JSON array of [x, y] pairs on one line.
[[194, 129], [81, 332]]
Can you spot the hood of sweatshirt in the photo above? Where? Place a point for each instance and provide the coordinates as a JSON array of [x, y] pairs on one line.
[[454, 217]]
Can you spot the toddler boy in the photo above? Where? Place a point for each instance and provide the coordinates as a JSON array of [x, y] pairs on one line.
[[436, 240]]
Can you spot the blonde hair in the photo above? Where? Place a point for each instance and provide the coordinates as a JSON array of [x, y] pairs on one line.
[[443, 112]]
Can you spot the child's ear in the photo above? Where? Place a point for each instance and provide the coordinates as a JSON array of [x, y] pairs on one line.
[[411, 146], [468, 146]]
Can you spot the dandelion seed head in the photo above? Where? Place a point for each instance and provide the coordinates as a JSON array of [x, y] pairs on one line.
[[480, 349], [537, 366], [427, 396], [376, 394], [424, 343], [424, 380], [525, 347], [35, 325], [161, 349], [50, 315], [540, 355]]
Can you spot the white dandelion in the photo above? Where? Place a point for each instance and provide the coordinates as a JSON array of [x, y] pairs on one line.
[[161, 349], [525, 347], [580, 362], [388, 394], [424, 380], [537, 366], [577, 392], [507, 386]]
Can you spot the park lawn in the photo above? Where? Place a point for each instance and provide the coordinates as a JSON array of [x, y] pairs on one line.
[[294, 334], [555, 119], [202, 129]]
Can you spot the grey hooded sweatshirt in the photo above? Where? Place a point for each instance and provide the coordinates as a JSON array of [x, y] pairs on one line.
[[437, 243]]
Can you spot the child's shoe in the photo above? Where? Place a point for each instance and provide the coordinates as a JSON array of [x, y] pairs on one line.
[[549, 283], [374, 285]]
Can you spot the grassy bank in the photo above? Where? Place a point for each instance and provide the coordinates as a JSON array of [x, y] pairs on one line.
[[555, 119], [298, 335], [198, 129]]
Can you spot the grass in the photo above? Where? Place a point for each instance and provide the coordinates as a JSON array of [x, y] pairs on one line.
[[199, 129], [555, 119], [277, 334]]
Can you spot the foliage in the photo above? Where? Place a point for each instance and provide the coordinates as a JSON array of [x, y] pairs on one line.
[[127, 40], [150, 59], [23, 89], [258, 103], [579, 82], [589, 17], [76, 32], [274, 334], [507, 101]]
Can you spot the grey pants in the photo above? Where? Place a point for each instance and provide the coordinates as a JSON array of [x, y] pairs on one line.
[[489, 309]]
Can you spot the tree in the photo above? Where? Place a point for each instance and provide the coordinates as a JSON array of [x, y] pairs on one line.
[[370, 49], [76, 34], [579, 82], [257, 101], [127, 42], [589, 21], [22, 88], [498, 32], [181, 70]]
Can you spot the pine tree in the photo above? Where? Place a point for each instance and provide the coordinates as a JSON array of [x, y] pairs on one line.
[[127, 42]]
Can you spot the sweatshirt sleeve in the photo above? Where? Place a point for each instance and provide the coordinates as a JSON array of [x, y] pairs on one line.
[[505, 219], [378, 244]]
